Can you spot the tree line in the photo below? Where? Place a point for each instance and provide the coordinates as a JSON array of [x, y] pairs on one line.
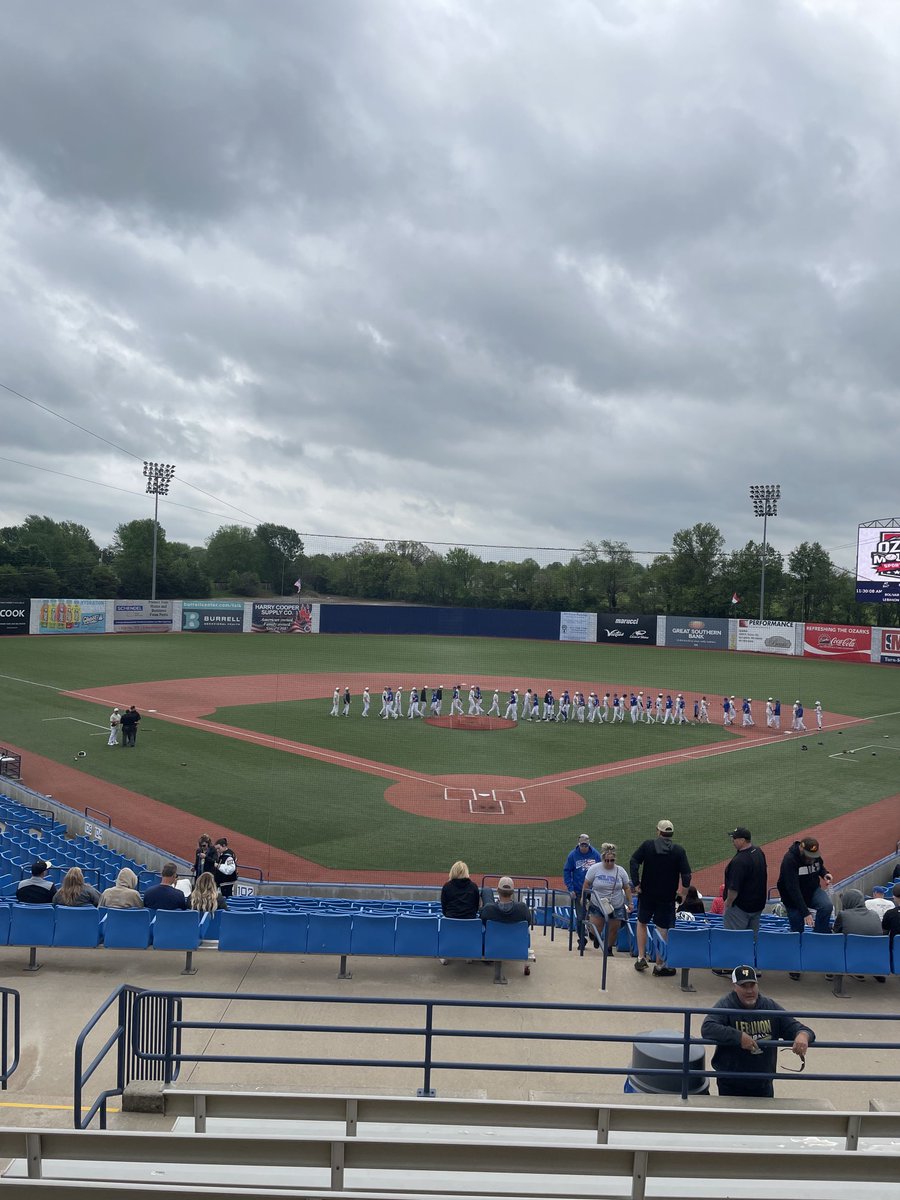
[[696, 577]]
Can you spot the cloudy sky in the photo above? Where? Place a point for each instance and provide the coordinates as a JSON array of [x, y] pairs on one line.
[[509, 272]]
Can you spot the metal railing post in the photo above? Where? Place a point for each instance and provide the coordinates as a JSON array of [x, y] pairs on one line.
[[426, 1089]]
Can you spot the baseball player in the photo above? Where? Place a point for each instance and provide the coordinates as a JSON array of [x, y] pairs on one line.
[[704, 711], [818, 714], [633, 708], [366, 702], [512, 706], [336, 702], [747, 718], [345, 712], [456, 704], [770, 715], [580, 707], [494, 710], [413, 707], [548, 706], [114, 722], [776, 714]]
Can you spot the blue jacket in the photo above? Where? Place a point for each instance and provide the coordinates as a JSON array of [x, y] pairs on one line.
[[576, 867]]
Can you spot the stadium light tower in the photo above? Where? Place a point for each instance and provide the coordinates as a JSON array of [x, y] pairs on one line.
[[158, 476], [765, 497]]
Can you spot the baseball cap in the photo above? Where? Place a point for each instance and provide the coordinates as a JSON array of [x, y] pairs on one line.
[[744, 975], [665, 826], [741, 832], [810, 846], [39, 866], [584, 837], [505, 884]]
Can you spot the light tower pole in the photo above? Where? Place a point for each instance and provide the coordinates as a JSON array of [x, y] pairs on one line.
[[158, 476], [765, 497]]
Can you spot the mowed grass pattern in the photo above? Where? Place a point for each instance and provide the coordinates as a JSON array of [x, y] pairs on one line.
[[338, 817]]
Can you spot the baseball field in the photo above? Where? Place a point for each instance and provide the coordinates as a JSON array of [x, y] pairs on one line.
[[236, 735]]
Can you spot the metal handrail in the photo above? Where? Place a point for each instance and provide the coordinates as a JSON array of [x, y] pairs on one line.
[[97, 812], [153, 1043], [9, 997]]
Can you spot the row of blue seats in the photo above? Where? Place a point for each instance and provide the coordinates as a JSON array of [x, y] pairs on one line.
[[723, 949], [355, 934]]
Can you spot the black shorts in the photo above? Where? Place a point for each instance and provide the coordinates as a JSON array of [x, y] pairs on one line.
[[656, 912]]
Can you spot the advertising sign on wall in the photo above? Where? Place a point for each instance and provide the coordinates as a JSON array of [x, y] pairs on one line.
[[142, 616], [699, 633], [765, 637], [14, 616], [212, 616], [577, 627], [845, 643], [69, 616], [878, 563], [272, 617], [626, 628], [889, 649]]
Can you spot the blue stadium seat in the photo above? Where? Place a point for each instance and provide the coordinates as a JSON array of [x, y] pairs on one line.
[[329, 933], [76, 926], [285, 933], [822, 952], [209, 925], [4, 924], [176, 930], [868, 955], [31, 925], [778, 951], [688, 945], [126, 928], [506, 941], [372, 934], [730, 947], [241, 931], [460, 939], [417, 937]]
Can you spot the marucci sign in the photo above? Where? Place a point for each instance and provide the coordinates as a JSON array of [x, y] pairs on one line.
[[845, 643], [626, 627]]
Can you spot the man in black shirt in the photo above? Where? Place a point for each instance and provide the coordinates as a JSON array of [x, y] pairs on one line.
[[37, 889], [165, 894], [746, 883], [890, 922], [129, 722], [656, 867]]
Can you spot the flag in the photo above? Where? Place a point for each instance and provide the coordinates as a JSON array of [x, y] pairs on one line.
[[735, 598], [298, 585]]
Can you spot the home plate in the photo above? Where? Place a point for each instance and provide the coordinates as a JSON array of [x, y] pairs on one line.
[[484, 793]]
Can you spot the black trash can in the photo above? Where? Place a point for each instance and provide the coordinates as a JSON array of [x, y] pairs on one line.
[[667, 1055]]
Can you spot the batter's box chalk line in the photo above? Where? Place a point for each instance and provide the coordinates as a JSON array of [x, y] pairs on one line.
[[491, 806], [509, 795], [460, 793]]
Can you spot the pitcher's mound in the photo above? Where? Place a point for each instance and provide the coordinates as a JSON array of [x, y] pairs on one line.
[[471, 724]]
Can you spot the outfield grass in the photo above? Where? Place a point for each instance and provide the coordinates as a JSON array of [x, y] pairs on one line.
[[339, 817]]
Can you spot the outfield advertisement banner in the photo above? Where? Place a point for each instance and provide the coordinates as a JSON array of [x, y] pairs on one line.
[[625, 627], [844, 643], [577, 627], [68, 616], [212, 616], [142, 616], [698, 633], [765, 637], [272, 617], [889, 646], [14, 616]]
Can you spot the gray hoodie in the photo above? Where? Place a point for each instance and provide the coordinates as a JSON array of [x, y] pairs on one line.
[[124, 894], [854, 917]]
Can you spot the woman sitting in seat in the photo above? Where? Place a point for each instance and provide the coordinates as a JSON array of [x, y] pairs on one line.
[[460, 897], [206, 897], [75, 893]]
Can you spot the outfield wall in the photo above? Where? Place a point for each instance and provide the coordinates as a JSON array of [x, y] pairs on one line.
[[53, 616]]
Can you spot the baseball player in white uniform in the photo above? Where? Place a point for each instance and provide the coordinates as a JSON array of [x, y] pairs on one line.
[[114, 722]]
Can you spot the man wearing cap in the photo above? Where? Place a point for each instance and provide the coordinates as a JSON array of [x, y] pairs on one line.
[[505, 909], [746, 883], [577, 865], [800, 886], [656, 868], [752, 1019], [37, 889]]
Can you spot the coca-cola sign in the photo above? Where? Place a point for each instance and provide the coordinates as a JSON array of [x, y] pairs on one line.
[[847, 643]]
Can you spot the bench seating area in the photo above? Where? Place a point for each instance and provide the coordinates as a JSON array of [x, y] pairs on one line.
[[264, 932], [711, 948]]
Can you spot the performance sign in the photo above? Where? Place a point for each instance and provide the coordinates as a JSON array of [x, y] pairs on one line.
[[878, 563], [577, 627], [212, 616], [698, 633], [764, 637], [626, 628], [843, 643], [142, 616], [70, 616]]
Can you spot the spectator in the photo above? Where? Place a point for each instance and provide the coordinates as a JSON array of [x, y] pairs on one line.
[[124, 894], [577, 865], [890, 922], [718, 905], [879, 905], [204, 856], [460, 897], [656, 867], [746, 883], [75, 893], [800, 886], [691, 902], [506, 908], [896, 874], [738, 1049], [854, 917], [607, 893], [37, 889], [166, 894], [225, 870], [206, 897]]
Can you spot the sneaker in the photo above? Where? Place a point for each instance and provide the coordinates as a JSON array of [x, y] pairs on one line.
[[793, 974], [640, 964], [658, 971]]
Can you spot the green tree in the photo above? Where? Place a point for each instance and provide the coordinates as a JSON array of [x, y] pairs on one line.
[[232, 548], [282, 550], [812, 583], [694, 570]]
